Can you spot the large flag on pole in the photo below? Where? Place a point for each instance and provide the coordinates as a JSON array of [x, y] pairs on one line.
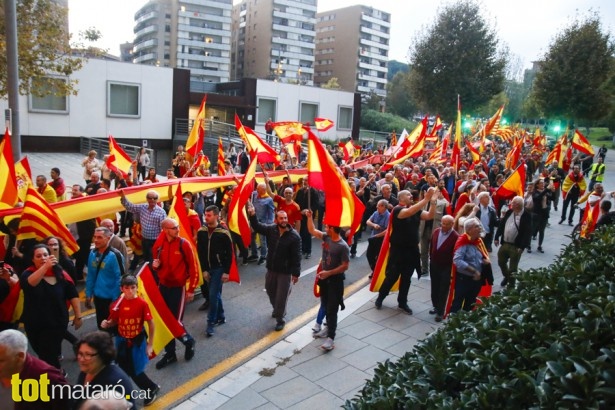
[[581, 143], [492, 124], [237, 216], [8, 187], [514, 184], [473, 152], [166, 325], [412, 146], [256, 146], [194, 144], [383, 260], [342, 207], [118, 161], [437, 126], [39, 220], [456, 155]]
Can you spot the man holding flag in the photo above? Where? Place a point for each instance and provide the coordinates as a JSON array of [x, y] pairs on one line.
[[404, 255]]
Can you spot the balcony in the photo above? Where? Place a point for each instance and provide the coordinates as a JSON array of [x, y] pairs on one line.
[[145, 44], [146, 30], [149, 57]]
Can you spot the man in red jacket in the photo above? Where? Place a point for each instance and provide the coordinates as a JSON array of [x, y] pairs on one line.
[[175, 265]]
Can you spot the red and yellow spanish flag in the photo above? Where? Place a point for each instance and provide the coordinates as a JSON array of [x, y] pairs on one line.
[[348, 149], [221, 168], [475, 154], [514, 184], [342, 207], [194, 144], [118, 161], [256, 146], [590, 217], [322, 124], [237, 216], [39, 220], [8, 189], [23, 176], [512, 158], [383, 260], [456, 142], [201, 160], [411, 147], [579, 142], [167, 327], [492, 125]]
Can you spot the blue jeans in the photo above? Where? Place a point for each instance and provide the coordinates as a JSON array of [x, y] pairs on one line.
[[216, 309], [263, 247]]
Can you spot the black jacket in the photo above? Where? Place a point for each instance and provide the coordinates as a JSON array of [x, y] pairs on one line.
[[215, 251], [523, 239], [284, 251]]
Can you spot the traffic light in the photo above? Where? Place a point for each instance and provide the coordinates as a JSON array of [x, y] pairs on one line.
[[504, 121]]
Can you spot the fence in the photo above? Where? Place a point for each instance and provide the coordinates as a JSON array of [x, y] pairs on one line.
[[101, 146]]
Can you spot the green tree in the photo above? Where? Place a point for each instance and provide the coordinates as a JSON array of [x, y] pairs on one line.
[[571, 80], [399, 97], [373, 101], [44, 49], [332, 84], [394, 67], [459, 55]]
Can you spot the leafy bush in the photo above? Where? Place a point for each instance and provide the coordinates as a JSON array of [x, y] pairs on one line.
[[547, 343], [384, 122]]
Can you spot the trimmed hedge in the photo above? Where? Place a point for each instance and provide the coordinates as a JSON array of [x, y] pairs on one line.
[[547, 343]]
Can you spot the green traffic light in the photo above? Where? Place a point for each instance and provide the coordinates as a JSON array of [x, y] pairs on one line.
[[504, 121], [467, 125], [557, 128]]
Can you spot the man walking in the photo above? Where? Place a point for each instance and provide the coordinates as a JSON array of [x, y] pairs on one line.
[[105, 270], [379, 221], [283, 261], [441, 257], [215, 251], [515, 232], [150, 216], [573, 187], [175, 265], [335, 260], [404, 255], [265, 209]]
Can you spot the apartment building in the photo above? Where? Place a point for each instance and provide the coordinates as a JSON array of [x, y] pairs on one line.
[[189, 34], [274, 40], [352, 45]]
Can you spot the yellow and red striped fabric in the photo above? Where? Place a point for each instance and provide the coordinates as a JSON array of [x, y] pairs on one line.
[[383, 260], [411, 147], [39, 220], [342, 207], [323, 124], [514, 184], [590, 217], [118, 161], [256, 146], [581, 143], [237, 216], [23, 176], [221, 169], [194, 144], [8, 189]]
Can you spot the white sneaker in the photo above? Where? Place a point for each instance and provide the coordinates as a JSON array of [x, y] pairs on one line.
[[322, 334], [328, 345], [316, 328]]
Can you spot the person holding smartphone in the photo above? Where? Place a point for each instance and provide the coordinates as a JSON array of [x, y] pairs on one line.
[[9, 296]]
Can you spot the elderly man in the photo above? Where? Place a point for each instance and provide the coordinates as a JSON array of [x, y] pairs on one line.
[[105, 270], [46, 191], [515, 232], [175, 264], [150, 216], [404, 255], [378, 221], [470, 259], [487, 216], [94, 185], [17, 366], [116, 242], [264, 208], [441, 250]]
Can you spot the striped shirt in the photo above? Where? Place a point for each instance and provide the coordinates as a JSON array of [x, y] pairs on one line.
[[150, 219]]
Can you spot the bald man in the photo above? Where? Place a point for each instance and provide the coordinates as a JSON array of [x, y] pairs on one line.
[[515, 233]]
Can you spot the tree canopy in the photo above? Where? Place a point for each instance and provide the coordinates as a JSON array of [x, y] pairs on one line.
[[459, 55], [44, 49], [399, 97], [572, 79]]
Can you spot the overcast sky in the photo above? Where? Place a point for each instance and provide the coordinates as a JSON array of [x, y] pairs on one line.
[[526, 26]]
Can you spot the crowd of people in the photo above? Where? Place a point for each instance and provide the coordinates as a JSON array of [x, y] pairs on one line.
[[444, 222]]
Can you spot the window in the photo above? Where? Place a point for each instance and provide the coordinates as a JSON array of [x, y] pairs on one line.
[[308, 112], [266, 110], [123, 99], [52, 102], [344, 118]]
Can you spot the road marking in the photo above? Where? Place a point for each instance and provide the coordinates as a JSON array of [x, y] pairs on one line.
[[203, 380]]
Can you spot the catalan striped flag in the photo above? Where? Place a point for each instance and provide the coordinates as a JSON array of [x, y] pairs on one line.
[[194, 144], [166, 325], [383, 259], [237, 217], [437, 126], [456, 155], [39, 220], [8, 189], [221, 168], [342, 207], [118, 161]]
